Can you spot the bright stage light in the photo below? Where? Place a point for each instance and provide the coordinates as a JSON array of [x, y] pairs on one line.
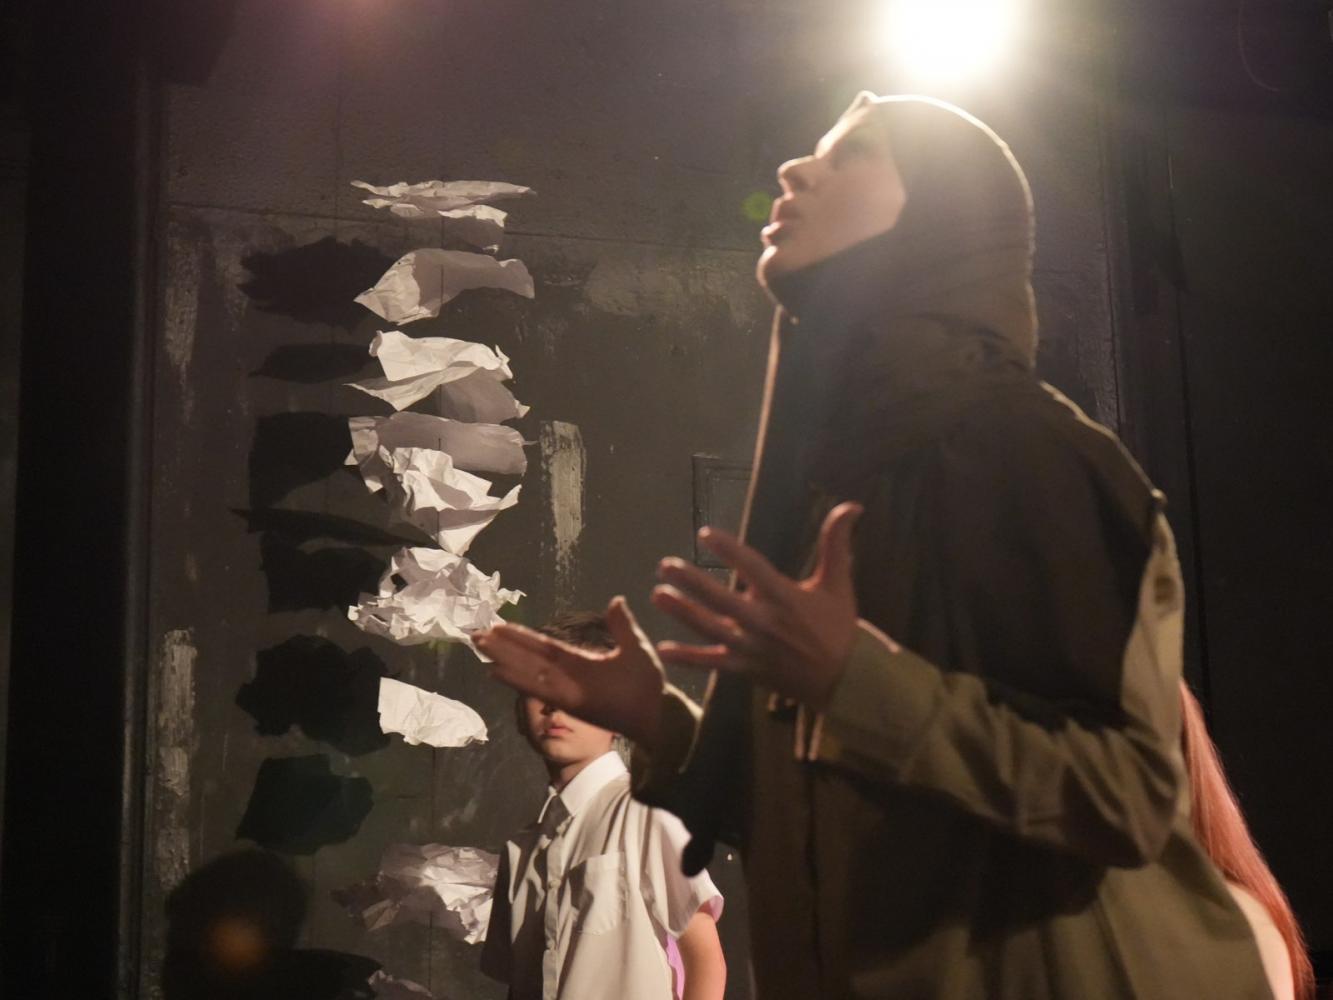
[[945, 40]]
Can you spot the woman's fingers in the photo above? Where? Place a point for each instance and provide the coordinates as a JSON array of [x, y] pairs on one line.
[[753, 568], [522, 638], [833, 569], [703, 657], [623, 626], [710, 625], [713, 595], [548, 669]]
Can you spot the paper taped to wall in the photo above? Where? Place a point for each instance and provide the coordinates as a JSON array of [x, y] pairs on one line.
[[460, 205], [421, 282], [452, 506], [473, 447], [470, 373], [428, 883], [427, 198], [429, 594], [421, 716]]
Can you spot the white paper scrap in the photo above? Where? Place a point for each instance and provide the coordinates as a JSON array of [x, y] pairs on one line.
[[429, 198], [401, 356], [450, 887], [480, 225], [458, 204], [421, 282], [450, 505], [386, 987], [480, 398], [473, 447], [424, 717], [428, 594], [414, 367]]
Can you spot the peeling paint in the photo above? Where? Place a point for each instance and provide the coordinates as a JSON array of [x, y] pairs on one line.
[[230, 248], [461, 816], [632, 287], [175, 740], [564, 462], [181, 313]]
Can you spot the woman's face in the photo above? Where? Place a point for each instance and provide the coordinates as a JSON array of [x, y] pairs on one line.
[[847, 191]]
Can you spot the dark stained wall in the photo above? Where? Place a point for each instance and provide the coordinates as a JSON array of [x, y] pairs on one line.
[[646, 334]]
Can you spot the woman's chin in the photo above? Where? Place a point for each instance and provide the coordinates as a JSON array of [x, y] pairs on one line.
[[773, 263]]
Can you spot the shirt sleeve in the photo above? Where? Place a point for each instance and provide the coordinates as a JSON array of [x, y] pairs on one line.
[[496, 951], [673, 897], [1084, 756]]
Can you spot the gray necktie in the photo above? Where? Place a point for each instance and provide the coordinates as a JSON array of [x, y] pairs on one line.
[[553, 814]]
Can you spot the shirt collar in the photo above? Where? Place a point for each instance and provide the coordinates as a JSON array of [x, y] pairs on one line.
[[588, 782]]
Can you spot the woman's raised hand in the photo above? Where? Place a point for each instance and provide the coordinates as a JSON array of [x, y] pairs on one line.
[[791, 636], [619, 689]]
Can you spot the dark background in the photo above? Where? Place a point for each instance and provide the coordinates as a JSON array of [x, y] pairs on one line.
[[179, 248]]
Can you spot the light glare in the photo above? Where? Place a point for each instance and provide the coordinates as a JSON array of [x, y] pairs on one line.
[[948, 39]]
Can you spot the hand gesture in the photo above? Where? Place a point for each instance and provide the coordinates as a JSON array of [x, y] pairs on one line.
[[619, 689], [791, 636]]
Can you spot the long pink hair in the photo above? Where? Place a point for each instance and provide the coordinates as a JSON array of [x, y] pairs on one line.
[[1220, 828]]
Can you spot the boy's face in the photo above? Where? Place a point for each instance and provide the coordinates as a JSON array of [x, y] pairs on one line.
[[559, 737]]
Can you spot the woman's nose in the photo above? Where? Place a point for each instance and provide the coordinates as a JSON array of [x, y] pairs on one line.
[[798, 174]]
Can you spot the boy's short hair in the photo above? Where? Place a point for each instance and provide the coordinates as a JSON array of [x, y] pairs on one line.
[[585, 629]]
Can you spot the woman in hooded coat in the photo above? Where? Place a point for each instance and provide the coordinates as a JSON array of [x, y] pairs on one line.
[[947, 742]]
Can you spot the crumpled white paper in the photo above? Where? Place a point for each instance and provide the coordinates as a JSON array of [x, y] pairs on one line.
[[473, 447], [421, 282], [471, 375], [480, 398], [450, 505], [421, 716], [386, 987], [460, 205], [480, 225], [429, 198], [440, 596], [450, 887]]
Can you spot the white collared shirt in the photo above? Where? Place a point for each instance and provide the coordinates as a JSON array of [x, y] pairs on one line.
[[590, 897]]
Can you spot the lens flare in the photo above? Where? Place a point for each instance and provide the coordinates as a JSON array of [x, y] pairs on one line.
[[237, 944], [756, 206], [946, 40]]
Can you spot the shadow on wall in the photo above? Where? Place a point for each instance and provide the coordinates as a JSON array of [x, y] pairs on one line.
[[327, 578], [293, 449], [309, 364], [317, 282], [300, 805], [232, 926], [310, 683]]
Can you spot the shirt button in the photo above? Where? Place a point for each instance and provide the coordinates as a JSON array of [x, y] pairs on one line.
[[552, 882]]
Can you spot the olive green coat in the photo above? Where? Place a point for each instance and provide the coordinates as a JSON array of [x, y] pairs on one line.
[[1000, 809]]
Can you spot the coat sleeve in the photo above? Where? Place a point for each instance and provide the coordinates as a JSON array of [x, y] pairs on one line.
[[1065, 731], [700, 771], [654, 773]]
